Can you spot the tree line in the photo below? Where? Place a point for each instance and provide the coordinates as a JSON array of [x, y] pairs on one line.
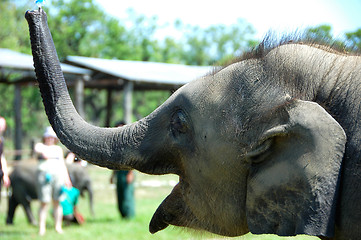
[[82, 28]]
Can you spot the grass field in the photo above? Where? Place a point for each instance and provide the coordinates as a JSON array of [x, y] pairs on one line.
[[107, 224]]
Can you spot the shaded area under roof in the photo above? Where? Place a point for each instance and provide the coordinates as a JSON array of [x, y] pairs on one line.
[[144, 75], [15, 62], [18, 69]]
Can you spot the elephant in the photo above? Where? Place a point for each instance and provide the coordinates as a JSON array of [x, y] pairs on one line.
[[269, 144], [23, 185]]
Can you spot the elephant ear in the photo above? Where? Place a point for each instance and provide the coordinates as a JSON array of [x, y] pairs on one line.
[[293, 188]]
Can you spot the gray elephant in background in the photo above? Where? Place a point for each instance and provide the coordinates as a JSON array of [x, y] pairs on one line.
[[23, 185], [270, 144]]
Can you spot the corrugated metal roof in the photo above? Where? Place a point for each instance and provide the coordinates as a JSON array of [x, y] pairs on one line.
[[149, 72], [20, 61]]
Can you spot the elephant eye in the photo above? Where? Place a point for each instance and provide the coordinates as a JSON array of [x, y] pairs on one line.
[[179, 123]]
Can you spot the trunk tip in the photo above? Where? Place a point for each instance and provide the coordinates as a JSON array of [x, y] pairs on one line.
[[30, 15]]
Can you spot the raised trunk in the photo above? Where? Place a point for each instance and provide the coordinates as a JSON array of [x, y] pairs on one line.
[[107, 147]]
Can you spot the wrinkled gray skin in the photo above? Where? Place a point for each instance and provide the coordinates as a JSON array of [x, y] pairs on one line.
[[23, 185], [258, 146]]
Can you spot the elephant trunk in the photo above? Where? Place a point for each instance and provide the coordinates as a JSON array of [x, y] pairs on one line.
[[114, 148]]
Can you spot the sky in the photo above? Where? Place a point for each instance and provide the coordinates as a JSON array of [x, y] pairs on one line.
[[281, 16]]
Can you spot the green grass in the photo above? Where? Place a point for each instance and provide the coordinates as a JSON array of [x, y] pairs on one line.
[[107, 224]]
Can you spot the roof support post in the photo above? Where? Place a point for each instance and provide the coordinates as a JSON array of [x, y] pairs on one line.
[[127, 107], [109, 107], [18, 122], [79, 96]]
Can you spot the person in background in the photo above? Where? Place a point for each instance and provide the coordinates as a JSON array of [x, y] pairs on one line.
[[72, 158], [124, 190], [52, 176], [4, 176]]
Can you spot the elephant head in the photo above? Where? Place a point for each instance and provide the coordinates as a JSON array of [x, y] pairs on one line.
[[248, 157]]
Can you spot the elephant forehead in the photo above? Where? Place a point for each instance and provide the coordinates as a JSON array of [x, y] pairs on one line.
[[220, 92], [209, 90]]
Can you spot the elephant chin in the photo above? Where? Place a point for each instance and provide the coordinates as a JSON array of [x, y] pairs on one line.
[[174, 210]]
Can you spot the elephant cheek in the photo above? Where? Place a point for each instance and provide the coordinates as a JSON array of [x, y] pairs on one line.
[[172, 211]]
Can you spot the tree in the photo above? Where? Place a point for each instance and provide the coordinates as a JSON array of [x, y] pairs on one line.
[[112, 40], [171, 51], [73, 26], [13, 26], [216, 43], [321, 32], [354, 39], [142, 40]]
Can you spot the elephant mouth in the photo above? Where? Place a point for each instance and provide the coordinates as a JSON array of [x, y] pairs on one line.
[[160, 221], [173, 211]]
